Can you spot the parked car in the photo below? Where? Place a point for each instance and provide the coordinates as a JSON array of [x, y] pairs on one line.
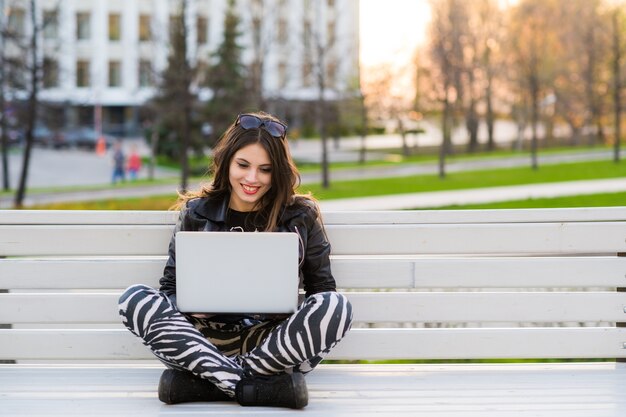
[[14, 136], [42, 136], [86, 138]]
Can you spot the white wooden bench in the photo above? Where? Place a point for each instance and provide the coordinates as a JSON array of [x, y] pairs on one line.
[[530, 284]]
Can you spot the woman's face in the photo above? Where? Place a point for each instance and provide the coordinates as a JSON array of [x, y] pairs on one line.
[[250, 177]]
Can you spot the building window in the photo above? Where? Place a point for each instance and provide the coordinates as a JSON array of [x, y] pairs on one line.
[[307, 73], [282, 74], [145, 74], [16, 21], [115, 74], [50, 73], [115, 27], [83, 25], [331, 73], [82, 74], [307, 61], [50, 24], [282, 31], [331, 33], [145, 30], [307, 33], [203, 28], [175, 28]]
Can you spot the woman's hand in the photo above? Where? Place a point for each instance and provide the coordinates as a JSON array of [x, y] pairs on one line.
[[201, 315]]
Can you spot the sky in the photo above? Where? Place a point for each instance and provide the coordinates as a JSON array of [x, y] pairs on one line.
[[390, 30]]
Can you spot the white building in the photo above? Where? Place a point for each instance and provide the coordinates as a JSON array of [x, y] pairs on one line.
[[107, 53]]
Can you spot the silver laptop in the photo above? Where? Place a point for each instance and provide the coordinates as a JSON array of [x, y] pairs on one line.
[[234, 272]]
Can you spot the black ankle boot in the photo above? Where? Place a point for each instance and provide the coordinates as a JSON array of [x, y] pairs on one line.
[[183, 387], [283, 390]]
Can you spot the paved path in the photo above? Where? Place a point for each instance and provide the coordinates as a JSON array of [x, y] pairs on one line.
[[432, 199], [390, 202], [425, 168], [476, 196], [69, 167]]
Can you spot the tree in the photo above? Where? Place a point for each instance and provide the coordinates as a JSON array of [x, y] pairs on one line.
[[617, 30], [321, 46], [227, 76], [263, 15], [596, 46], [364, 127], [581, 45], [21, 70], [533, 50], [4, 125], [32, 66], [175, 101], [316, 48], [445, 71], [489, 58], [384, 97]]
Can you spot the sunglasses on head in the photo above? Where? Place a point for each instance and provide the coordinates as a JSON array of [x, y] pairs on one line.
[[250, 121]]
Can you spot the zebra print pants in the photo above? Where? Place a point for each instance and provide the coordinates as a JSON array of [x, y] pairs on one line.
[[224, 353]]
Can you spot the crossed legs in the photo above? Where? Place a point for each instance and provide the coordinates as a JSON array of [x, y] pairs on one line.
[[298, 343]]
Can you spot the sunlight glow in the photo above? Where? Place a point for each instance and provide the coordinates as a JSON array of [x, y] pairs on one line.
[[390, 30]]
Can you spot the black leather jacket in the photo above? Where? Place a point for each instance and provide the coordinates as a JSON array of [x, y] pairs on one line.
[[204, 214]]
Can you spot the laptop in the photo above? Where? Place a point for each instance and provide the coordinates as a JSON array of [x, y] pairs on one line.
[[234, 272]]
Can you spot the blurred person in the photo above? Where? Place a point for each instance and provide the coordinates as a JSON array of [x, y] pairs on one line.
[[119, 163], [134, 163]]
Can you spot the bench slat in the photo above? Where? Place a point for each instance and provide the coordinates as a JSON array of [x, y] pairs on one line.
[[80, 273], [535, 238], [133, 217], [120, 344], [88, 217], [578, 214], [84, 240], [518, 307], [481, 272], [452, 272]]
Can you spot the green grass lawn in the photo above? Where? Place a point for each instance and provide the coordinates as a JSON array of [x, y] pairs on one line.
[[394, 157], [465, 180], [420, 183], [592, 200], [141, 182]]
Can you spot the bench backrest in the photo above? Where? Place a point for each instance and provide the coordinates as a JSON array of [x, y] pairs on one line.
[[424, 284]]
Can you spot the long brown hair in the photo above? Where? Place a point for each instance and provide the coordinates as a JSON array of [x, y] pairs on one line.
[[285, 175]]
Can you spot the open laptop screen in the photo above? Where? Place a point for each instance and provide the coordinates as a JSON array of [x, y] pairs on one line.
[[228, 272]]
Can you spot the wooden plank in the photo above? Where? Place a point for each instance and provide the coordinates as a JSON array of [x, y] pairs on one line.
[[479, 272], [88, 217], [374, 307], [482, 343], [349, 272], [84, 240], [452, 390], [530, 238], [578, 214], [521, 272], [80, 273], [375, 344], [68, 217]]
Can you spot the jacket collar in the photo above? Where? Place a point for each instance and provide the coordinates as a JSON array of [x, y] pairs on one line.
[[215, 209]]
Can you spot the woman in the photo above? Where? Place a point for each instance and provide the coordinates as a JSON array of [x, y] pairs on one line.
[[254, 360]]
